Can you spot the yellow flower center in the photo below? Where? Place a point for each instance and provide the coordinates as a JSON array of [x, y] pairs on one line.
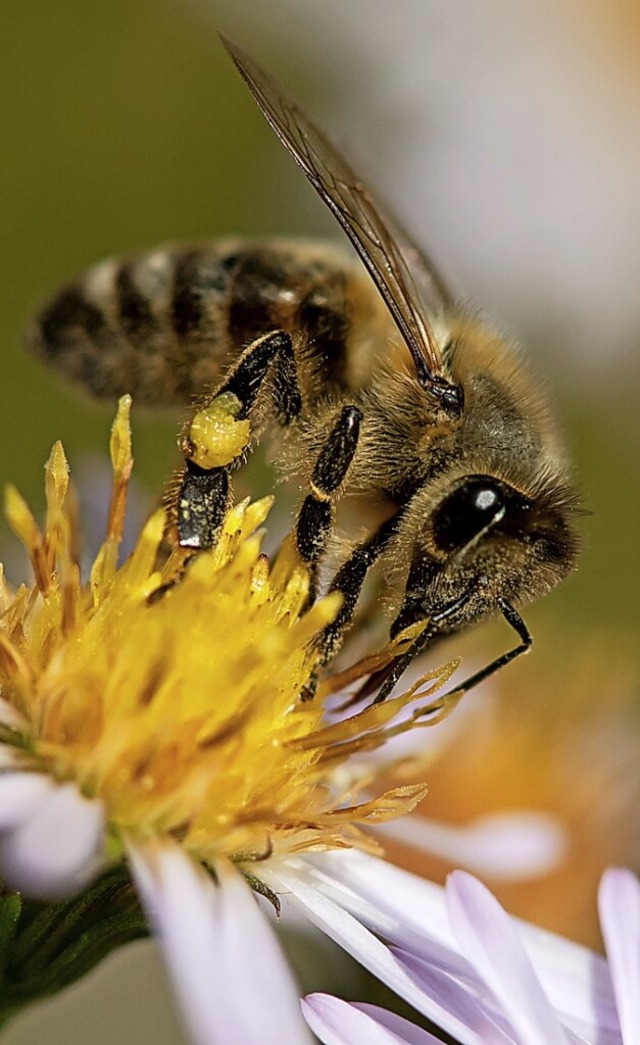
[[172, 690]]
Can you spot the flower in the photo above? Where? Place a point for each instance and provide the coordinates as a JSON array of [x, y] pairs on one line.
[[155, 716], [468, 967]]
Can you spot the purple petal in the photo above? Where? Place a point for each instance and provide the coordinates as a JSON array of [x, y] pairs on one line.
[[405, 1030], [576, 981], [338, 1022], [231, 978], [411, 912], [491, 943], [619, 904], [469, 999], [298, 887], [58, 846]]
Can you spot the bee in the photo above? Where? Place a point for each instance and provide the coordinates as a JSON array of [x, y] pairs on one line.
[[379, 382]]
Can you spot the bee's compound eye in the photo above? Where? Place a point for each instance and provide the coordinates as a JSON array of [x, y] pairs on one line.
[[466, 512]]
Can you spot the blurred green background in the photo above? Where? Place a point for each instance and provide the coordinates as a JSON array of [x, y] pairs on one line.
[[124, 125]]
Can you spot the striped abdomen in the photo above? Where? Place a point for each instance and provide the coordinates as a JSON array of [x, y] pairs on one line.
[[162, 325]]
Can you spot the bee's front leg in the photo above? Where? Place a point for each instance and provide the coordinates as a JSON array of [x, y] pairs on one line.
[[350, 579], [220, 434], [383, 681]]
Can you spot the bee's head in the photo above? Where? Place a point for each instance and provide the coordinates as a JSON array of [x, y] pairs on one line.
[[482, 541]]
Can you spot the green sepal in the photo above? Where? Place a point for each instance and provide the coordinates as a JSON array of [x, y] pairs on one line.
[[44, 947], [10, 911]]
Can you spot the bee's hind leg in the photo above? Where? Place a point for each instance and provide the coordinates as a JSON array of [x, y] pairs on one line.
[[220, 434], [316, 515], [203, 499]]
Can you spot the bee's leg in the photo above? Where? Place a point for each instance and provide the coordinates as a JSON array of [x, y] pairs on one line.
[[271, 353], [316, 515], [513, 618], [387, 677], [349, 581], [422, 573], [220, 435], [420, 577], [203, 500]]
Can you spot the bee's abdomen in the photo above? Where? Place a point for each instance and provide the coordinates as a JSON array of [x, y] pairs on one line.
[[161, 325], [150, 324]]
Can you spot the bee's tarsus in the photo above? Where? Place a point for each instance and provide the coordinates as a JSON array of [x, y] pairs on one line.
[[349, 581], [310, 690], [385, 679], [392, 673], [513, 618], [203, 500], [422, 573]]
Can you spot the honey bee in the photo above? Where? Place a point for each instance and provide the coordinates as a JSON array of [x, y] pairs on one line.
[[383, 387]]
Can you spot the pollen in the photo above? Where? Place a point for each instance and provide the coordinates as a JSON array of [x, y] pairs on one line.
[[181, 692], [217, 434]]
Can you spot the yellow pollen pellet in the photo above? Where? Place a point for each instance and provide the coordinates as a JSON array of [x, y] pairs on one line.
[[216, 435]]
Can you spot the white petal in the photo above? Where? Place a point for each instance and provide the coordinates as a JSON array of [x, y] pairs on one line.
[[395, 903], [58, 846], [619, 903], [295, 886], [338, 1022], [504, 846], [11, 717], [230, 975], [16, 758], [21, 794], [490, 941]]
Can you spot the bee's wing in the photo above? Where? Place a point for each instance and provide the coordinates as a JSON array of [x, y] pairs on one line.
[[388, 253]]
